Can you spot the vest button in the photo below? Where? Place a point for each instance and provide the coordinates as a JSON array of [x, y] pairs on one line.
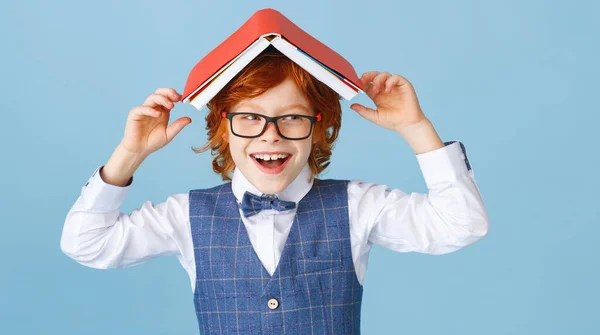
[[273, 303]]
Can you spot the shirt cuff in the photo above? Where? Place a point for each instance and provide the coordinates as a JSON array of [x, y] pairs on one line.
[[98, 196], [444, 164]]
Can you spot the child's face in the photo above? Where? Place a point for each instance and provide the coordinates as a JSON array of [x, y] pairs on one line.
[[273, 175]]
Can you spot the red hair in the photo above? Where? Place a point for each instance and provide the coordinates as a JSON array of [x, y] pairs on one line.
[[268, 70]]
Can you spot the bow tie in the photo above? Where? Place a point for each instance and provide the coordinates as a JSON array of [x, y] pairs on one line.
[[253, 204]]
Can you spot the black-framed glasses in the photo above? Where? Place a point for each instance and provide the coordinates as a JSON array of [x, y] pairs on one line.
[[289, 126]]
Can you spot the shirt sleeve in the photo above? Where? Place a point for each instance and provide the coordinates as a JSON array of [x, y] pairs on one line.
[[449, 217], [97, 234]]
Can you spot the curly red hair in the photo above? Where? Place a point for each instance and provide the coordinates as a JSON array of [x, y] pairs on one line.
[[268, 70]]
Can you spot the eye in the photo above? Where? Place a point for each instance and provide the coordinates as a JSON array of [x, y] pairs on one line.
[[250, 117], [294, 118]]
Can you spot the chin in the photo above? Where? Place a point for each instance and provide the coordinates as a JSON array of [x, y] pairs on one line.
[[271, 186]]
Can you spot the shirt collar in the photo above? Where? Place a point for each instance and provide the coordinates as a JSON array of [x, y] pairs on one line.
[[295, 191]]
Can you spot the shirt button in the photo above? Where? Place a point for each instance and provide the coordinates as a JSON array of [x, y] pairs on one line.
[[273, 303]]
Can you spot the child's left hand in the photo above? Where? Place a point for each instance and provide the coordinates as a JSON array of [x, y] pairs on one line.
[[395, 98]]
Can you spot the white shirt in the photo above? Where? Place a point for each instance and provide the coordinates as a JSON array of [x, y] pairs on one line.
[[449, 217]]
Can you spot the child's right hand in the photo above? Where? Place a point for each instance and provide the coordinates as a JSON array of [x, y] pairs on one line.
[[147, 128]]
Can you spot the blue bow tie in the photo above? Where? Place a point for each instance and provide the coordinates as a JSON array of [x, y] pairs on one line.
[[253, 204]]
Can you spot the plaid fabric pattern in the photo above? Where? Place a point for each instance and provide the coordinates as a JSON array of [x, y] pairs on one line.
[[464, 152], [253, 204], [315, 282]]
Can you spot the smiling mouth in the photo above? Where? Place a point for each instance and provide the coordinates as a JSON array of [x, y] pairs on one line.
[[271, 163]]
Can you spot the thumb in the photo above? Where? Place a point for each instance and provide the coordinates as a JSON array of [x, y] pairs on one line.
[[176, 127], [367, 113]]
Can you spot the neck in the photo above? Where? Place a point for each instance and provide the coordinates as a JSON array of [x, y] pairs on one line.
[[295, 191]]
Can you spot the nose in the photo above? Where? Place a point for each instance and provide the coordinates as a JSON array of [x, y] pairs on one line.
[[270, 134]]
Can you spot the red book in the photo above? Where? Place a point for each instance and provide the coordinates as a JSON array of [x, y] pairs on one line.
[[268, 27]]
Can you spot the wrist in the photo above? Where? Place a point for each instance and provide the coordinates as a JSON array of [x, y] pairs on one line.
[[121, 166], [421, 136]]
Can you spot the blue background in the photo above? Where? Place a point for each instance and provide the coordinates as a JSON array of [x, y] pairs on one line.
[[514, 80]]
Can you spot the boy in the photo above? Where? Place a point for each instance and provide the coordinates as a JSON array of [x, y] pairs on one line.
[[276, 250]]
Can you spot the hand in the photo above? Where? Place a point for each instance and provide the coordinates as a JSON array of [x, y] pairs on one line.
[[395, 98], [147, 127]]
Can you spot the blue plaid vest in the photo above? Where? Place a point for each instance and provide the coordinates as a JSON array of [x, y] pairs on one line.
[[314, 288]]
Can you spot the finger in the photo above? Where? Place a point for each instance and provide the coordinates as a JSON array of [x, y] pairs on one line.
[[169, 93], [176, 127], [141, 111], [379, 81], [155, 100], [368, 77], [367, 113], [395, 80]]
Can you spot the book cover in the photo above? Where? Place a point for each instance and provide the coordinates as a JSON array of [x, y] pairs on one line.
[[265, 22]]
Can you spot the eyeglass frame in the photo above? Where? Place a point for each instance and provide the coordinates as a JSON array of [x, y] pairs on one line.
[[268, 119]]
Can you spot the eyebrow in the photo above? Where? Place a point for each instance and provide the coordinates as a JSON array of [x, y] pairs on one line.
[[286, 107]]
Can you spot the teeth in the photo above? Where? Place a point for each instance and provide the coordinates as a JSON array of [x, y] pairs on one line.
[[271, 157]]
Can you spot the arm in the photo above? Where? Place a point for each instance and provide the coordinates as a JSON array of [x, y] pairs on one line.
[[449, 217], [97, 234]]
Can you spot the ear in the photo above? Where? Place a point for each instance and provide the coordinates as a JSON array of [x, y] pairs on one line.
[[225, 135], [316, 135]]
